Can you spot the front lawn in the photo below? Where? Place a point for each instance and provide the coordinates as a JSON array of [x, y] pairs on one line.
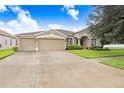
[[5, 53], [119, 63], [95, 53]]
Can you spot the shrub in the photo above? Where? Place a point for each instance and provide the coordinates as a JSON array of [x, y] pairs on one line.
[[15, 49], [95, 47], [99, 48], [73, 47]]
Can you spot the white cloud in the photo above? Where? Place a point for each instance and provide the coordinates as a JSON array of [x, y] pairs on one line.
[[5, 28], [67, 7], [54, 26], [74, 13], [3, 8], [70, 9], [70, 28], [23, 22], [75, 29]]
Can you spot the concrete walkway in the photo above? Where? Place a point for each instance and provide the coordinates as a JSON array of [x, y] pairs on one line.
[[56, 69]]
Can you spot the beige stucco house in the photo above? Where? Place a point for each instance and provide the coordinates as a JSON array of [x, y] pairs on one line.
[[7, 40], [85, 39], [55, 39]]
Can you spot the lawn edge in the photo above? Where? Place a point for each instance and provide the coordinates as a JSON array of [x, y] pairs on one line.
[[95, 57], [7, 56], [111, 65]]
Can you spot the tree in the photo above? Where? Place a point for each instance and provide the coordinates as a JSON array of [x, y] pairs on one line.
[[107, 24]]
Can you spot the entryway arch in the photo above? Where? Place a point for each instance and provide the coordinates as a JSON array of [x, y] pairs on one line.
[[84, 41]]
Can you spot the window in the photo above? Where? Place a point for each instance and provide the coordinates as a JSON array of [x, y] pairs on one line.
[[76, 41], [11, 42], [5, 42], [69, 41], [93, 41], [16, 42]]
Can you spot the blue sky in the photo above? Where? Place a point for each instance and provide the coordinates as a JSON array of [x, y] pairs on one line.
[[28, 18]]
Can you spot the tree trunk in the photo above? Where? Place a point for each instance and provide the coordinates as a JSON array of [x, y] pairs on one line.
[[102, 44]]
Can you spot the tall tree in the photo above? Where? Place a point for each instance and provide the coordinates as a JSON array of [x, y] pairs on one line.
[[107, 23]]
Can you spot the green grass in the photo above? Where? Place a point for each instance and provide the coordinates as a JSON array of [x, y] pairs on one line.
[[119, 63], [96, 54], [5, 53]]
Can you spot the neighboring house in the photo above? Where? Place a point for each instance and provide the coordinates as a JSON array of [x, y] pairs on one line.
[[54, 39], [7, 40]]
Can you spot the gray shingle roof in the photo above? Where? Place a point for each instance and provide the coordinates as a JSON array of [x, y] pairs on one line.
[[4, 33], [29, 33], [84, 30], [65, 32]]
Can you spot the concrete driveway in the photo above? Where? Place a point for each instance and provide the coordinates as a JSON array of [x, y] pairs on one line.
[[56, 69]]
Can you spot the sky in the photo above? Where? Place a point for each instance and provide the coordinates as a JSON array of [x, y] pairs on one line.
[[29, 18]]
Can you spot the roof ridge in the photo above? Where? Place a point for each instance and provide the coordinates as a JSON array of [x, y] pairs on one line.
[[34, 32], [30, 32], [81, 30], [63, 30]]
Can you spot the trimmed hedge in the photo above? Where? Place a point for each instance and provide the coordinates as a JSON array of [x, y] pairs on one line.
[[95, 47], [99, 48], [73, 47], [16, 49]]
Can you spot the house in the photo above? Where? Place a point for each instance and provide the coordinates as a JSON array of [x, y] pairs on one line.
[[55, 39], [85, 39], [7, 40]]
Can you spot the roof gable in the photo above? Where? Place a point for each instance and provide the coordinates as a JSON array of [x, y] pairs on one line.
[[65, 32], [52, 36], [82, 31], [51, 32]]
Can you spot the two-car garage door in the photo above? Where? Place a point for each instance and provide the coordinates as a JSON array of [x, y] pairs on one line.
[[51, 44], [29, 44]]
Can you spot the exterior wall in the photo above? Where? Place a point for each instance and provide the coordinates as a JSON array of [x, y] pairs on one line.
[[0, 41], [70, 41], [52, 32], [78, 35], [7, 42], [18, 43], [81, 34], [97, 42]]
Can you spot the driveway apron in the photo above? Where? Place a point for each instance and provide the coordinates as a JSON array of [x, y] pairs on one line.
[[56, 69], [17, 70]]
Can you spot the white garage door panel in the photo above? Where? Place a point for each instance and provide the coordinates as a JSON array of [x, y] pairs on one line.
[[51, 44], [28, 44]]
